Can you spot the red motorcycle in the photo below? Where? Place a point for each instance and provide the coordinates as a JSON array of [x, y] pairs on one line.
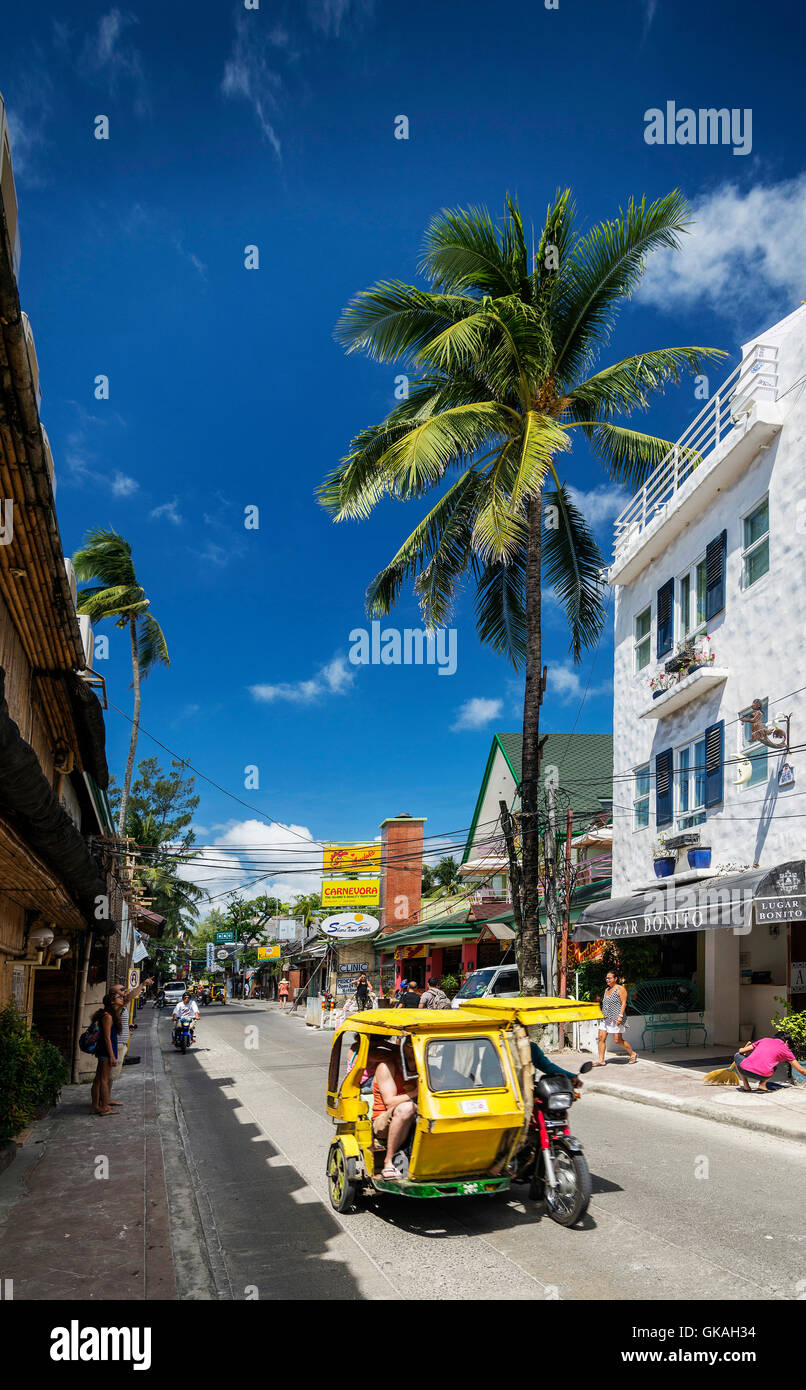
[[551, 1159]]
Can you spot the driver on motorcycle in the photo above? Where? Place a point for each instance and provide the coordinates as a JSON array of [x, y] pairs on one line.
[[544, 1064], [188, 1010]]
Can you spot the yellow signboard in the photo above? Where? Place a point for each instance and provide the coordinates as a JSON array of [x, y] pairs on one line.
[[269, 952], [352, 858], [351, 892]]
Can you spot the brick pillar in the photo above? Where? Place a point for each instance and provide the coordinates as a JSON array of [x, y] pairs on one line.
[[401, 871]]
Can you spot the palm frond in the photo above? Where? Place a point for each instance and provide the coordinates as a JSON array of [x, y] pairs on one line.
[[151, 645], [392, 321], [114, 602], [105, 556], [501, 607], [572, 567], [464, 250], [629, 455], [604, 268], [441, 545], [630, 384]]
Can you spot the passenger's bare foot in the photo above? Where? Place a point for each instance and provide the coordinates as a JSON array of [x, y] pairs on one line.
[[110, 1111]]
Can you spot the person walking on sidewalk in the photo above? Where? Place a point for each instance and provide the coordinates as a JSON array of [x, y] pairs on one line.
[[283, 991], [614, 1007], [108, 1018]]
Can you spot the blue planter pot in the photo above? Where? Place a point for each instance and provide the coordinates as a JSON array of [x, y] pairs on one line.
[[699, 858], [665, 867], [656, 694]]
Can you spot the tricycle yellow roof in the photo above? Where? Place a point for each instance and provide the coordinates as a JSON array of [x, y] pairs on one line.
[[385, 1021], [530, 1010], [487, 1015]]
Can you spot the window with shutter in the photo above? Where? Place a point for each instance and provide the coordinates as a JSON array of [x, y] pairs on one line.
[[665, 618], [664, 809], [714, 763], [715, 557]]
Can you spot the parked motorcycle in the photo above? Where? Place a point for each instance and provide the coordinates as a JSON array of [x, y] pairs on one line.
[[551, 1159], [183, 1034]]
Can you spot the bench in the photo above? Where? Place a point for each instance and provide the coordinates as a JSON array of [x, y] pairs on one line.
[[658, 1001]]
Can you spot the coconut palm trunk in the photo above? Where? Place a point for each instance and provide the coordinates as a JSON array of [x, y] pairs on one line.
[[127, 781], [530, 768]]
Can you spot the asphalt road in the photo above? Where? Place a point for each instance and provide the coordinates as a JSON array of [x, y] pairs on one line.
[[682, 1208]]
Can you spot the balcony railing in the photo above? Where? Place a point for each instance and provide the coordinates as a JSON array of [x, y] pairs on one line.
[[594, 870], [755, 379]]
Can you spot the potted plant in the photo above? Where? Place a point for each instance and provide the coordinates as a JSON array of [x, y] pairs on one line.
[[665, 860], [699, 857], [791, 1026], [660, 683]]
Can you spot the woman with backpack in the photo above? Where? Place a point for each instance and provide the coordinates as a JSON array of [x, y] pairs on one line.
[[108, 1020]]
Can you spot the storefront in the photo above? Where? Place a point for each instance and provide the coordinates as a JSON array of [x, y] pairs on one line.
[[741, 937], [447, 946]]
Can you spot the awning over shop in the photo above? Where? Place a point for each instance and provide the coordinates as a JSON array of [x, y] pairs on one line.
[[500, 930], [722, 900], [443, 931], [150, 923]]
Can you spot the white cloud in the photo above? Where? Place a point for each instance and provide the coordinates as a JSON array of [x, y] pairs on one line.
[[565, 683], [248, 75], [477, 713], [744, 254], [600, 504], [285, 859], [105, 54], [333, 679], [169, 511], [327, 15], [650, 8], [122, 485]]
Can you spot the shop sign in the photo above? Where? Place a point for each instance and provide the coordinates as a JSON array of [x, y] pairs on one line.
[[348, 926], [269, 952], [798, 985], [353, 968], [224, 937], [351, 892], [410, 952], [353, 858]]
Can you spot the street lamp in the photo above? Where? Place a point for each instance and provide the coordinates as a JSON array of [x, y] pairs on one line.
[[40, 937]]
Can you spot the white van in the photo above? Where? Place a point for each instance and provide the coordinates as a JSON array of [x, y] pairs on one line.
[[499, 980]]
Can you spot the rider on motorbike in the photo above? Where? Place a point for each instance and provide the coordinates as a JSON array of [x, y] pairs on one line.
[[186, 1009]]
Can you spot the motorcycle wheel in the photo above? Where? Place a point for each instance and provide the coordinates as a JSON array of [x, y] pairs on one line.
[[183, 1046], [342, 1185], [569, 1200]]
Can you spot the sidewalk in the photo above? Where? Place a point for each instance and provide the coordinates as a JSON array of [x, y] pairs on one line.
[[668, 1080], [66, 1231]]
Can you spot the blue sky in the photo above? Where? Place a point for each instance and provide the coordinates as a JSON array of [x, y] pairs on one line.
[[275, 127]]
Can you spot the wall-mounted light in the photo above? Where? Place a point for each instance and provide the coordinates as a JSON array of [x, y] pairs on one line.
[[40, 937], [60, 946]]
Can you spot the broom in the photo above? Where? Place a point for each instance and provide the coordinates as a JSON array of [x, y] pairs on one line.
[[725, 1076]]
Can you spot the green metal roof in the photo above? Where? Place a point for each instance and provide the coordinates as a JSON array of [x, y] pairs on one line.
[[457, 925], [584, 765], [581, 898]]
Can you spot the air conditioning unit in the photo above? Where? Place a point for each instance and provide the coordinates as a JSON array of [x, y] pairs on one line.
[[71, 579], [33, 361], [87, 638], [8, 193], [46, 450]]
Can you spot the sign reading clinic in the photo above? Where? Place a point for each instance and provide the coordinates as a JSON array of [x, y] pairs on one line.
[[351, 892], [348, 925], [352, 858]]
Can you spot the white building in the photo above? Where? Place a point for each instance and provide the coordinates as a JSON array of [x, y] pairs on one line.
[[709, 575]]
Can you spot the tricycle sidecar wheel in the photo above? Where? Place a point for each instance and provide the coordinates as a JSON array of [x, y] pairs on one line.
[[342, 1178]]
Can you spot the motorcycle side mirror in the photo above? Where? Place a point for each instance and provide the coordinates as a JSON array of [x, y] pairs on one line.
[[586, 1066]]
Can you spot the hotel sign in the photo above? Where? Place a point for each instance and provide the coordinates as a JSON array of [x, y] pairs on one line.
[[352, 858], [349, 926]]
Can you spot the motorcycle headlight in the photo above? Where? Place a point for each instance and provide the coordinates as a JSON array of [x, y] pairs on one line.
[[561, 1100]]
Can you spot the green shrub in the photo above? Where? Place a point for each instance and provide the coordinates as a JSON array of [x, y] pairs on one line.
[[32, 1072], [791, 1027], [450, 984]]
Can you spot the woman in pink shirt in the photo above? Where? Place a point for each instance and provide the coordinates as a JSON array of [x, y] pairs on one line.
[[764, 1057]]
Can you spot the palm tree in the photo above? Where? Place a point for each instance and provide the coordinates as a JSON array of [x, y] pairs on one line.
[[503, 346], [105, 562]]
